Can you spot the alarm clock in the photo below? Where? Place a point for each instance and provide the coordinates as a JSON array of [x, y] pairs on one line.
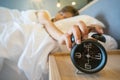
[[89, 56]]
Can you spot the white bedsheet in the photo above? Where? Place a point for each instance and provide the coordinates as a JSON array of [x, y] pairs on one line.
[[25, 43]]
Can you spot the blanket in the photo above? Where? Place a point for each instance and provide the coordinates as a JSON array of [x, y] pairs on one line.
[[25, 42]]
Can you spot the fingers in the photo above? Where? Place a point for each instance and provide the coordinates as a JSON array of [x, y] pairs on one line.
[[66, 39], [84, 29], [96, 28], [99, 30], [79, 31], [76, 32]]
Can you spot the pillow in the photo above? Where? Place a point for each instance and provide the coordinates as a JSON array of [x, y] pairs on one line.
[[65, 24]]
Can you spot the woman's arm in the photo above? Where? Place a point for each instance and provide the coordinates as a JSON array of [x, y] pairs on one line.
[[79, 31], [45, 20], [62, 38]]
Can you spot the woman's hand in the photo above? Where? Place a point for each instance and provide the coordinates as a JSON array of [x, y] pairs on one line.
[[80, 32]]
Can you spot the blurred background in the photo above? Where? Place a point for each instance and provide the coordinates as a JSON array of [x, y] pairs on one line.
[[53, 6]]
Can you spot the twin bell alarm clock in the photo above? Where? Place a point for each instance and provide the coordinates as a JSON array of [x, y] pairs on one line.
[[89, 56]]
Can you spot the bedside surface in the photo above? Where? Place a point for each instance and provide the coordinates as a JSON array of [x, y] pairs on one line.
[[61, 68]]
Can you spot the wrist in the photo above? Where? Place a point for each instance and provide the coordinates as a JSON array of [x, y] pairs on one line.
[[52, 30]]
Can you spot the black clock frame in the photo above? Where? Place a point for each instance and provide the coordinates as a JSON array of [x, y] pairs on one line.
[[76, 48]]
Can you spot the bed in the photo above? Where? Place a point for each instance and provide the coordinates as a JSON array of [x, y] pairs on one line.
[[25, 45]]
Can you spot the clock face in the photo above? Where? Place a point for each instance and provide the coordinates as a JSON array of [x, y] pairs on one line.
[[89, 56]]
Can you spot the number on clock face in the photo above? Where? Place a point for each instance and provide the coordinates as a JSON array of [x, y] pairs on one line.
[[98, 56], [87, 66], [88, 46], [78, 55]]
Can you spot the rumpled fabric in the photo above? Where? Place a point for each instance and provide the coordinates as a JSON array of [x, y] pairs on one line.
[[25, 42]]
